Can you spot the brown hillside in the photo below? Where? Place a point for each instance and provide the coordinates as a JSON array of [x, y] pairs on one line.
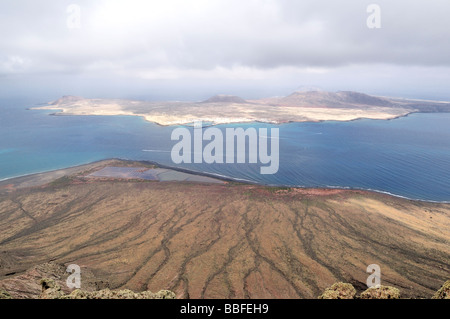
[[225, 241]]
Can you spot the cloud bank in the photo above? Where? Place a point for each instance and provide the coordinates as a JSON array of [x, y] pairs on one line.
[[278, 44]]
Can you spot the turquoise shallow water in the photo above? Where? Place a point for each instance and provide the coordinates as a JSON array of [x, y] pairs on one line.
[[407, 157]]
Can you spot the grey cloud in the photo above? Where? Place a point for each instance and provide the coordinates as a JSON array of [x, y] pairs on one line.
[[136, 37]]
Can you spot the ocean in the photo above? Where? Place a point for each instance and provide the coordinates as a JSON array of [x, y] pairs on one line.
[[407, 157]]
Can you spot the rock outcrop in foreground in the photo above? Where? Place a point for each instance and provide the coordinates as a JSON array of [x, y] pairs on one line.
[[381, 292], [342, 290], [444, 292], [4, 294], [339, 290], [52, 290]]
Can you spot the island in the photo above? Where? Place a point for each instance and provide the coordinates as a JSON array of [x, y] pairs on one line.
[[300, 106]]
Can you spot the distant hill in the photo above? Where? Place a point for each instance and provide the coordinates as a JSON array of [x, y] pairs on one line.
[[67, 99], [222, 98], [343, 99], [308, 88]]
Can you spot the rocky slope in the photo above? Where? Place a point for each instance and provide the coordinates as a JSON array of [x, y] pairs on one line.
[[219, 241], [342, 290]]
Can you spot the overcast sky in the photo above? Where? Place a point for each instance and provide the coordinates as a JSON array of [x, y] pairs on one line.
[[191, 49]]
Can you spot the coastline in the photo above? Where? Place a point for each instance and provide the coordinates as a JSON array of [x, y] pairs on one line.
[[219, 113], [242, 121], [46, 177]]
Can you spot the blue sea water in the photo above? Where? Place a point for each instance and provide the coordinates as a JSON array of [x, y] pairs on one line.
[[408, 157]]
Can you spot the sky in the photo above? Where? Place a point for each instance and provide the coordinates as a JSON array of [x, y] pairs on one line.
[[193, 49]]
